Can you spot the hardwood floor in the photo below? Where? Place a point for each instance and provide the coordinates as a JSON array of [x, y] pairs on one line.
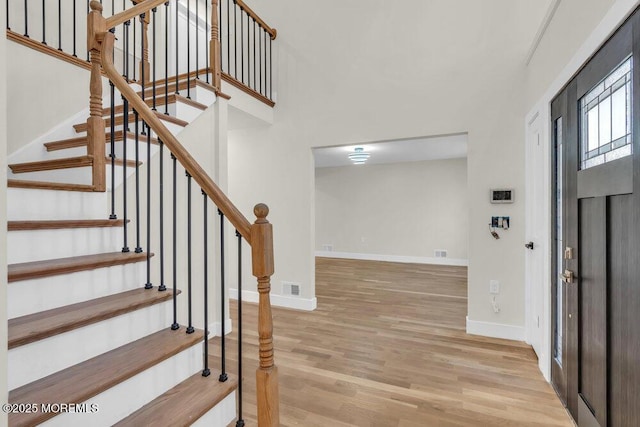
[[387, 347]]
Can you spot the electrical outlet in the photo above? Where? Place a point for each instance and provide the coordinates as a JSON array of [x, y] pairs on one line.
[[494, 287]]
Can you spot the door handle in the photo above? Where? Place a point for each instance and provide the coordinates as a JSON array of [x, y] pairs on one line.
[[529, 245], [567, 276]]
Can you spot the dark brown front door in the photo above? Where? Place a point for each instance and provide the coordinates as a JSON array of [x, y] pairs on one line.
[[596, 282]]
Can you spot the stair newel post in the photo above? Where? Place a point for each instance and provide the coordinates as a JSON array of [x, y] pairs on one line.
[[145, 65], [263, 267], [214, 46], [96, 29]]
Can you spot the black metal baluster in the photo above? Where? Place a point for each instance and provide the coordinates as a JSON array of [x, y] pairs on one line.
[[206, 37], [162, 286], [166, 58], [124, 166], [44, 20], [254, 54], [142, 16], [270, 71], [235, 39], [75, 24], [153, 90], [197, 38], [240, 422], [223, 374], [7, 14], [259, 88], [125, 50], [26, 19], [177, 50], [228, 40], [59, 25], [264, 61], [188, 49], [125, 128], [149, 285], [88, 10], [112, 155], [248, 50], [206, 371], [190, 328], [175, 324], [242, 46]]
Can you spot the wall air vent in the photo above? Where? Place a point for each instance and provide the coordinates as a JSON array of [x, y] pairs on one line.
[[440, 253], [290, 288]]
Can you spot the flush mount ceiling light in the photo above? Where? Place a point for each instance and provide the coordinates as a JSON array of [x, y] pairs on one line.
[[359, 156]]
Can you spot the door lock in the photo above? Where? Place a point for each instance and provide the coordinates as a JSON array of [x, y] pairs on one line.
[[567, 276], [529, 245], [568, 253]]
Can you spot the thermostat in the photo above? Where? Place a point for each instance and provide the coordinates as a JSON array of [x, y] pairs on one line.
[[502, 195]]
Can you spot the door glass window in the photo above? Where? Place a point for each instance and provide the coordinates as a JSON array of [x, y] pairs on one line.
[[557, 341], [605, 115]]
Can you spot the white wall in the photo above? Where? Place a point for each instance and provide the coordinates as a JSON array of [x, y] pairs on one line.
[[558, 44], [38, 97], [4, 393], [382, 72], [404, 209]]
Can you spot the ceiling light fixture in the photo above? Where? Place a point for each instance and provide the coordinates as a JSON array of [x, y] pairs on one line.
[[359, 156]]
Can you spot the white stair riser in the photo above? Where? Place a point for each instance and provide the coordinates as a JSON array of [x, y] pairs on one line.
[[33, 204], [220, 415], [126, 397], [184, 111], [174, 128], [66, 153], [34, 295], [34, 245], [27, 364], [118, 148]]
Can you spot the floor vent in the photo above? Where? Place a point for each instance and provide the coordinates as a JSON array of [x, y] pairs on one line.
[[440, 253], [290, 288]]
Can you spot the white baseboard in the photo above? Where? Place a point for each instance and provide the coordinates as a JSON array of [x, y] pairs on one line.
[[495, 330], [306, 304], [394, 258]]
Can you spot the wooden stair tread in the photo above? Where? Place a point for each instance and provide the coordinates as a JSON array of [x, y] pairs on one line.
[[42, 165], [44, 185], [160, 101], [182, 78], [183, 404], [81, 141], [62, 224], [90, 378], [53, 267], [44, 324], [82, 127]]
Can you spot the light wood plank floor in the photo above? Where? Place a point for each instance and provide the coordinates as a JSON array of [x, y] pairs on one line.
[[387, 347]]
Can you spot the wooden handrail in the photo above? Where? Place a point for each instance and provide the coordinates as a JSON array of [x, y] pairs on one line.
[[134, 12], [272, 31], [188, 162], [258, 235]]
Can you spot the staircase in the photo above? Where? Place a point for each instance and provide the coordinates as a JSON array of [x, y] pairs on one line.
[[77, 298], [91, 340]]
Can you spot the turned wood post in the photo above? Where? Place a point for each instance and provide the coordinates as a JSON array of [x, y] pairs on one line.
[[267, 373], [96, 28], [144, 65], [214, 47]]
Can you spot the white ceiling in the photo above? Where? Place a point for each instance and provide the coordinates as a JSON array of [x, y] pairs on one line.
[[397, 151]]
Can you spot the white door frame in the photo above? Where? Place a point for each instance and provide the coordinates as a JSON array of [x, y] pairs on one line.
[[537, 125]]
